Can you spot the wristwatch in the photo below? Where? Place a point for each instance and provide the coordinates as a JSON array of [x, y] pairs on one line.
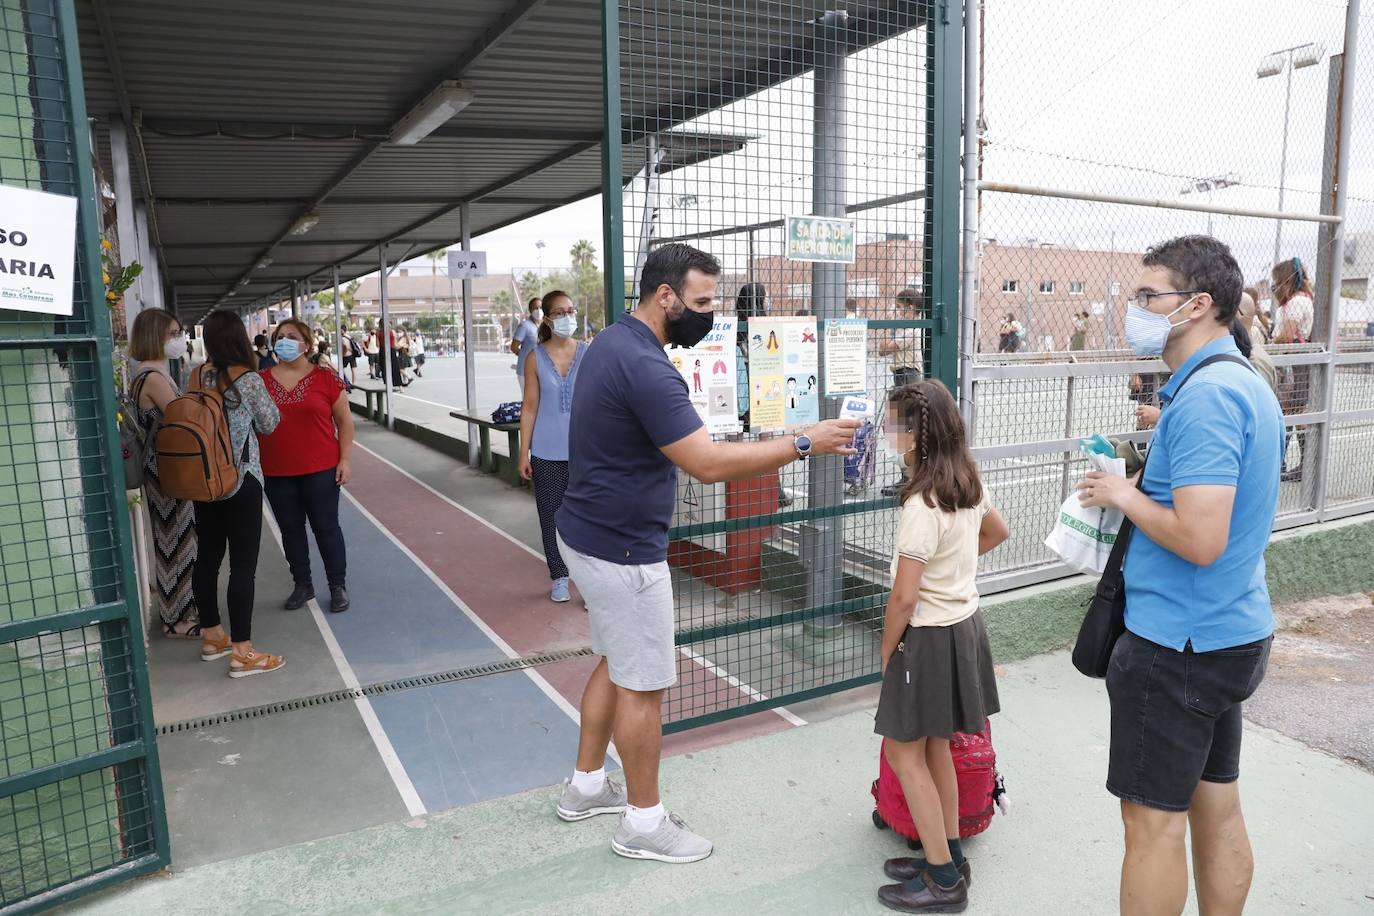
[[802, 443]]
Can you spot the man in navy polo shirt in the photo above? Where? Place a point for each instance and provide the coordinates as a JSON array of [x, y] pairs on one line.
[[1198, 618], [633, 426]]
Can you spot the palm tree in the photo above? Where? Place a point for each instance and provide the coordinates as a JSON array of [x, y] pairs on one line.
[[434, 257]]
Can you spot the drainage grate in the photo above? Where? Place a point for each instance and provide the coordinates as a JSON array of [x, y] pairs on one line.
[[371, 690]]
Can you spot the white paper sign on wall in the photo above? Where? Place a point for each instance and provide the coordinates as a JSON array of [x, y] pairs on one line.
[[37, 251], [467, 265]]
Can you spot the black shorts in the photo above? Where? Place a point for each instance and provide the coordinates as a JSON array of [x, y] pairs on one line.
[[1176, 718]]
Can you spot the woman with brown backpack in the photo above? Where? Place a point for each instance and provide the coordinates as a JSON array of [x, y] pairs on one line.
[[233, 521], [156, 339]]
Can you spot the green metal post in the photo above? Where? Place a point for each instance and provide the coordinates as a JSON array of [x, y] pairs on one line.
[[944, 46], [125, 665], [612, 171]]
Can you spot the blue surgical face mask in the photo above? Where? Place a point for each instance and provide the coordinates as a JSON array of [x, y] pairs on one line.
[[287, 349], [565, 325], [1147, 332]]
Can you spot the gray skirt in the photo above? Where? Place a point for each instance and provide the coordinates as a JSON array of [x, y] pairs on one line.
[[938, 682]]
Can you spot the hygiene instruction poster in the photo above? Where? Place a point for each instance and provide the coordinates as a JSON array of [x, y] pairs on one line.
[[846, 356], [784, 390], [709, 371]]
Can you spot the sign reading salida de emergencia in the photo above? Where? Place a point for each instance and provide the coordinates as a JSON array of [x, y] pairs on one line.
[[37, 250], [820, 238]]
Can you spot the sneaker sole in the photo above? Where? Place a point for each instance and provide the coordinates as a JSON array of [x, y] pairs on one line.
[[657, 856], [559, 600], [571, 816], [249, 672]]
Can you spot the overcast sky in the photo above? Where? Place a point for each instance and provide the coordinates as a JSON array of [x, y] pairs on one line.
[[1151, 91]]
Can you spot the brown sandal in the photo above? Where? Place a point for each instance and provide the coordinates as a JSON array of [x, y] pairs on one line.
[[254, 663], [212, 648]]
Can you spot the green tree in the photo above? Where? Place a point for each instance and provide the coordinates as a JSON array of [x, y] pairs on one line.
[[530, 286], [587, 284]]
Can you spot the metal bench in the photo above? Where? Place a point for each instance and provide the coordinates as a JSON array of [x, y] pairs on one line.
[[376, 400], [486, 460]]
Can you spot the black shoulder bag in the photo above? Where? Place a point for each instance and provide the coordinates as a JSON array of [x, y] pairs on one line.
[[1106, 618]]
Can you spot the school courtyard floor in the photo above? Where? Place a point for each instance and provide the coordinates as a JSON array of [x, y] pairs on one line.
[[436, 795]]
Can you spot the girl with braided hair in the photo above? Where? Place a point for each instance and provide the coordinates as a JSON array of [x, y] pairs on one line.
[[937, 664]]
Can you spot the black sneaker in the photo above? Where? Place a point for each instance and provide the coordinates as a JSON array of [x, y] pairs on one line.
[[299, 596], [338, 600]]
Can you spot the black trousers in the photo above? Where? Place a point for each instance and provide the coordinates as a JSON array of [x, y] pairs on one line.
[[236, 524], [313, 498], [550, 483]]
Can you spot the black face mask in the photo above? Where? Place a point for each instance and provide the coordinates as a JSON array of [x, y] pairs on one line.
[[691, 327]]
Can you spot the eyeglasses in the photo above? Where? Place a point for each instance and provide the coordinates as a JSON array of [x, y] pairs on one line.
[[1142, 298]]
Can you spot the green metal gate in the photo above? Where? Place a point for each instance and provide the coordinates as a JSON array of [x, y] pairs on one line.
[[726, 119], [80, 792]]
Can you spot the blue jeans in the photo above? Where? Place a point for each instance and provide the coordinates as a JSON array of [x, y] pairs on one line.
[[312, 497]]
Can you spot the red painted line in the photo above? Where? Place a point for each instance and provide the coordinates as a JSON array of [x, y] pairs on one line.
[[507, 587]]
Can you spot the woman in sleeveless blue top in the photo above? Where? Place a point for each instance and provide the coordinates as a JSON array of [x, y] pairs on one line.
[[550, 373]]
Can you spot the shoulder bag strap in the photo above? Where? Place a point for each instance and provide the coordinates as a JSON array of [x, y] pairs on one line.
[[1117, 558]]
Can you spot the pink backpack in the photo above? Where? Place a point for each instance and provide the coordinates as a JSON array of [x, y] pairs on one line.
[[980, 787]]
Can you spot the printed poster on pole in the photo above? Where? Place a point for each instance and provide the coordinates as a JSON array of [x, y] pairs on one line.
[[784, 390], [709, 371], [846, 356]]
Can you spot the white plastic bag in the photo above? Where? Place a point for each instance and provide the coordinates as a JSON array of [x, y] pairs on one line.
[[1084, 536]]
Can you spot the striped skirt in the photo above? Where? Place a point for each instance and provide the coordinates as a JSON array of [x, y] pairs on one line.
[[174, 550]]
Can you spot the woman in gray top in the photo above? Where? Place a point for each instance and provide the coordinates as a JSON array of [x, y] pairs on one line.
[[234, 522]]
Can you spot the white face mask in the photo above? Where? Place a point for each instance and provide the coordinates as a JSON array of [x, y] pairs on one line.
[[175, 348], [1147, 332], [565, 325], [895, 451], [537, 315]]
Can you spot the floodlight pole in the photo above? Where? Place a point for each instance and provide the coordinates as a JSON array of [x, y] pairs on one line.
[[1283, 159], [338, 320], [822, 540]]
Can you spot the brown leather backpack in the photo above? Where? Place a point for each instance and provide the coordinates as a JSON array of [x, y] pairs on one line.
[[195, 453]]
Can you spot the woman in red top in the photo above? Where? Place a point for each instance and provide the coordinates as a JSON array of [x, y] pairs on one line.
[[306, 460]]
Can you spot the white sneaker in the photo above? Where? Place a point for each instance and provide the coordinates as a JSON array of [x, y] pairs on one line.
[[670, 842]]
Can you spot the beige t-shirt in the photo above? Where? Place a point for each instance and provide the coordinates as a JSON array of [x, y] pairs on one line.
[[947, 543], [1300, 311]]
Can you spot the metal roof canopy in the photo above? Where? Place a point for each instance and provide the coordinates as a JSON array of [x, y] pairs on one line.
[[247, 114]]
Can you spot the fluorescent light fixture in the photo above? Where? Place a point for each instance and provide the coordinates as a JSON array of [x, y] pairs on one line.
[[243, 281], [304, 223], [447, 99], [1271, 65], [265, 262], [1308, 56]]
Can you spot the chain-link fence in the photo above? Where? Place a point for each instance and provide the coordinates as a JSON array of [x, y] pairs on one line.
[[792, 141], [1159, 122], [80, 797]]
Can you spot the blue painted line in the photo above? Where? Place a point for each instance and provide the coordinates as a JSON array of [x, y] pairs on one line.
[[460, 743], [473, 740], [400, 623]]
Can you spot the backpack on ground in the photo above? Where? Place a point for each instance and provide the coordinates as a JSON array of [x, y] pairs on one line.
[[135, 442], [195, 453], [981, 791]]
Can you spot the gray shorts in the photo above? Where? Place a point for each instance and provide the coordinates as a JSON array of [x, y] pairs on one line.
[[631, 611]]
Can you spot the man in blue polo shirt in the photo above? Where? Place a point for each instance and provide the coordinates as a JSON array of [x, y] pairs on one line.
[[633, 426], [1198, 618]]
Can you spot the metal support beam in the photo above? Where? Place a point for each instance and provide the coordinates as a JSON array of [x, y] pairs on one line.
[[1345, 119], [125, 232], [822, 539], [384, 337], [313, 132], [612, 163], [944, 43], [969, 252], [469, 354]]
